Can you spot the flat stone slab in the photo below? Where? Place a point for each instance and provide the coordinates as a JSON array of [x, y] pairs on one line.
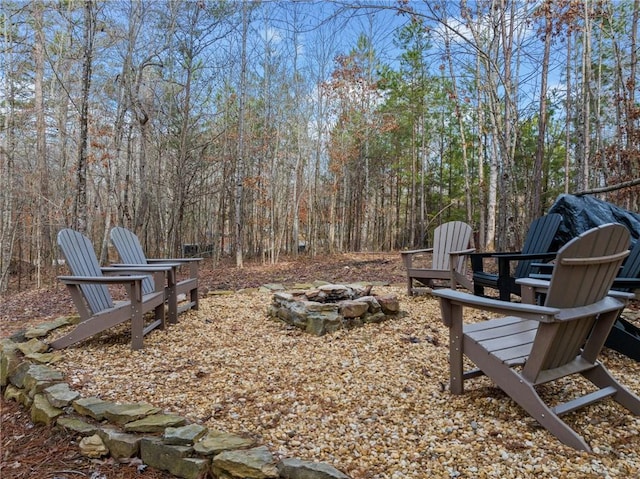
[[60, 395], [256, 463], [77, 425], [32, 346], [174, 459], [39, 377], [92, 407], [45, 358], [43, 329], [120, 444], [155, 423], [217, 441], [184, 435], [125, 413], [292, 468]]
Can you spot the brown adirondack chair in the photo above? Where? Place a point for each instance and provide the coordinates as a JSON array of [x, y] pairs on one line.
[[536, 247], [448, 261], [96, 307], [532, 345], [131, 253]]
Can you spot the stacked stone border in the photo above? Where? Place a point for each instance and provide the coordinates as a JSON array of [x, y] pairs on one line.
[[163, 441]]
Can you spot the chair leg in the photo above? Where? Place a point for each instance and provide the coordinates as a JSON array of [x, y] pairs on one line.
[[409, 286], [527, 397], [456, 365], [194, 299], [137, 325], [523, 393], [602, 378]]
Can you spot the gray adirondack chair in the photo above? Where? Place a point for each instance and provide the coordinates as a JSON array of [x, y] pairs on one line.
[[532, 344], [448, 260], [89, 290], [131, 253], [536, 247]]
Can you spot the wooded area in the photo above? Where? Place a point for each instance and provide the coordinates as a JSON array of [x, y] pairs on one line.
[[255, 129]]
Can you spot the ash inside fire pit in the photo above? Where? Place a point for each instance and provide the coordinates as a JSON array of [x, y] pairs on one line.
[[333, 306]]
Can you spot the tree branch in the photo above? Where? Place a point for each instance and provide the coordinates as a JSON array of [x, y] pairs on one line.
[[604, 189]]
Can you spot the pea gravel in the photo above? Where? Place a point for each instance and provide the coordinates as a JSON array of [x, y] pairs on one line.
[[373, 401]]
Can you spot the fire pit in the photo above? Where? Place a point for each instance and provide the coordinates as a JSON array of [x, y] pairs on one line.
[[331, 307]]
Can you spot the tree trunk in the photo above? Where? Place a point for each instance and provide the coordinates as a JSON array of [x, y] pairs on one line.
[[239, 192], [80, 204], [536, 207], [43, 234]]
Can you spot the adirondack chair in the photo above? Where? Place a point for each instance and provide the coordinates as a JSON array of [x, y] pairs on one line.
[[89, 290], [532, 344], [624, 336], [450, 240], [536, 247], [131, 253]]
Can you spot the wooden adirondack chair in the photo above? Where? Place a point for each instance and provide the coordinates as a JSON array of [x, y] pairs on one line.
[[533, 345], [536, 247], [97, 309], [131, 253], [450, 240]]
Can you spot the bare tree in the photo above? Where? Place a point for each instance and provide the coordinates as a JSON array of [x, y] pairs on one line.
[[80, 205]]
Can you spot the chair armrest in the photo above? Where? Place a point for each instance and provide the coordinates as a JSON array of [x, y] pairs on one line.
[[544, 268], [621, 295], [172, 260], [134, 268], [542, 314], [100, 279], [462, 252], [483, 255], [528, 311], [407, 256], [543, 277], [523, 256], [605, 305], [535, 280], [627, 283], [416, 251], [477, 259]]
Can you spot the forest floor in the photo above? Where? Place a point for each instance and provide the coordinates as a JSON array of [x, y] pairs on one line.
[[37, 451]]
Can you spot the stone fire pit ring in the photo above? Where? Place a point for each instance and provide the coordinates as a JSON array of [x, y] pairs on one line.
[[330, 307]]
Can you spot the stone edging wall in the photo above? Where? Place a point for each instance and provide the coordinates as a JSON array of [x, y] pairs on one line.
[[160, 440]]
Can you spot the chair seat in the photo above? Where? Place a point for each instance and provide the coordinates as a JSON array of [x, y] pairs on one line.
[[510, 338]]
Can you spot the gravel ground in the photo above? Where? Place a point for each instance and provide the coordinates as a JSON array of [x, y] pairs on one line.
[[373, 402]]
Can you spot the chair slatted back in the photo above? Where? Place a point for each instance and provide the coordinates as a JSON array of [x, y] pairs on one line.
[[539, 238], [82, 261], [451, 236], [131, 252], [631, 267], [584, 272]]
